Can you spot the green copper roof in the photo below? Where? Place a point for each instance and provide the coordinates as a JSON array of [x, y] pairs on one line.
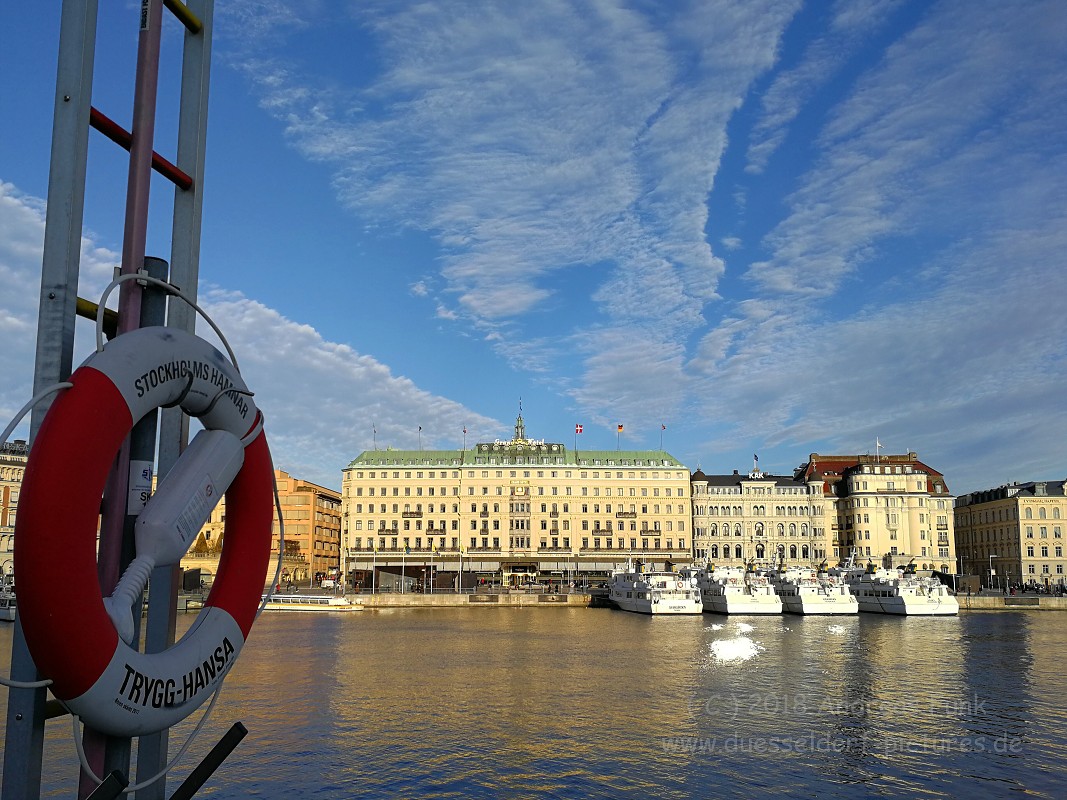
[[510, 454]]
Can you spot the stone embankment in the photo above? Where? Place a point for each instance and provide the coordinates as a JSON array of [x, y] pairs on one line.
[[452, 600], [1027, 602], [1022, 602]]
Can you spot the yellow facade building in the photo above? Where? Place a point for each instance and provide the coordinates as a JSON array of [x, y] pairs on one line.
[[1013, 534], [312, 515], [518, 510], [760, 518], [13, 457], [890, 509]]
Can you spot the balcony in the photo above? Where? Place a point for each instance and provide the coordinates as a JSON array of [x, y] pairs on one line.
[[625, 515], [412, 515]]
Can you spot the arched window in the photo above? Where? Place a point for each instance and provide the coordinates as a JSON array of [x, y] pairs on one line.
[[737, 551], [792, 529], [804, 551], [759, 528], [759, 551], [793, 551], [1041, 513], [781, 529], [714, 551], [1029, 513], [737, 530]]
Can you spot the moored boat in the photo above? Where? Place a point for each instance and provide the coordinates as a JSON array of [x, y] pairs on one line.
[[898, 591], [808, 591], [654, 592], [7, 602], [310, 602], [734, 590]]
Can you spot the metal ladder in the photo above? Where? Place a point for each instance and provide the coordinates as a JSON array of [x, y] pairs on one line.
[[73, 117]]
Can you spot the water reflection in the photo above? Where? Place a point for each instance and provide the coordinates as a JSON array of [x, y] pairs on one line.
[[583, 702]]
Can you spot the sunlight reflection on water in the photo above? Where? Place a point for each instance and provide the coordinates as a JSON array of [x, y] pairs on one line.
[[592, 702]]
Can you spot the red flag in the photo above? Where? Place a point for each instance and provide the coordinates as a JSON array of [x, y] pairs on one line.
[[620, 427], [577, 428]]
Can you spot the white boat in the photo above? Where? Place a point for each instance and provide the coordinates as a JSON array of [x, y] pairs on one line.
[[654, 592], [327, 603], [735, 590], [7, 603], [805, 590], [898, 591]]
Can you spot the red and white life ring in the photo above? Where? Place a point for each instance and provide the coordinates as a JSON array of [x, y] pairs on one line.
[[70, 636]]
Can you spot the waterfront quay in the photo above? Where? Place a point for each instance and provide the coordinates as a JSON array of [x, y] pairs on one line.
[[533, 600], [591, 598]]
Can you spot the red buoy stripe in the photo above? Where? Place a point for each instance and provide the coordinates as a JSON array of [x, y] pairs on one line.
[[68, 631]]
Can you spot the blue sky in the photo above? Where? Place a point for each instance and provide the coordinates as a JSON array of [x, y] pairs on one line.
[[773, 227]]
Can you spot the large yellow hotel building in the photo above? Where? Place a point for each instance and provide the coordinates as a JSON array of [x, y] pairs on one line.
[[515, 510]]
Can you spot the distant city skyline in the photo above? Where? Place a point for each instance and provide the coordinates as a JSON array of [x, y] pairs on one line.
[[765, 227]]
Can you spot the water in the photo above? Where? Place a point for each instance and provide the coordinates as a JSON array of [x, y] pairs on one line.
[[567, 703]]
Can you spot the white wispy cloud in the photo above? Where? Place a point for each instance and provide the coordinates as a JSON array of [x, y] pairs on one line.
[[320, 398], [550, 149], [851, 22], [537, 142], [894, 151]]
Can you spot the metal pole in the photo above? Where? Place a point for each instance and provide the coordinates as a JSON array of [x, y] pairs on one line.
[[24, 734], [211, 762], [100, 751]]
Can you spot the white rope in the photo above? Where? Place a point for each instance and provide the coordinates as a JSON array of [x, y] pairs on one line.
[[170, 288]]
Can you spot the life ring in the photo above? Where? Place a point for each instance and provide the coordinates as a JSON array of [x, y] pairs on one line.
[[73, 642]]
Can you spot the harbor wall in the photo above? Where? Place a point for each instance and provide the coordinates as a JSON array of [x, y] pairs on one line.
[[451, 600], [577, 599], [1026, 602]]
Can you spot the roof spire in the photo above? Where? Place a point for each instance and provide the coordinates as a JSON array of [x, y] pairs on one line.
[[520, 426]]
